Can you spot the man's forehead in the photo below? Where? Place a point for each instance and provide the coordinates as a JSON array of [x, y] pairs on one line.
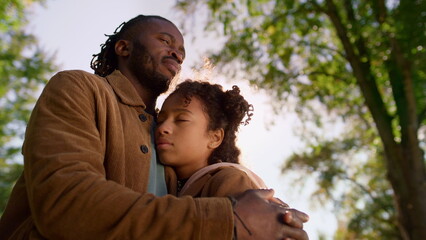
[[160, 25]]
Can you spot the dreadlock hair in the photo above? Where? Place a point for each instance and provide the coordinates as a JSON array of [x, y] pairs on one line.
[[105, 62], [225, 109]]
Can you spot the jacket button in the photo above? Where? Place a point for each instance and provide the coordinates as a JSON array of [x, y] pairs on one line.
[[144, 149], [142, 117]]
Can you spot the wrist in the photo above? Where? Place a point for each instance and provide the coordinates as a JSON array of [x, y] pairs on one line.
[[233, 203], [238, 222]]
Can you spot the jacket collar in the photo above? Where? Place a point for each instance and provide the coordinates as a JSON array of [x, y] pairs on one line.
[[124, 89], [256, 180]]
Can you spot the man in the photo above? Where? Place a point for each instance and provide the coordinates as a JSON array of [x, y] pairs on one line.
[[89, 162]]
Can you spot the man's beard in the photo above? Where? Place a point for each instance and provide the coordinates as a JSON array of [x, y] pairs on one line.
[[144, 68]]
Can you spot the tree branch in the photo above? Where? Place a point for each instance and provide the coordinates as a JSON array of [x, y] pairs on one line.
[[403, 92], [380, 11], [421, 116], [365, 80], [317, 6], [310, 44], [359, 40], [364, 189], [324, 73]]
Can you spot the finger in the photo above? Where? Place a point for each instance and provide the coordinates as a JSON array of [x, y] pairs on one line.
[[267, 194], [295, 218], [301, 215], [291, 220], [279, 202], [294, 233]]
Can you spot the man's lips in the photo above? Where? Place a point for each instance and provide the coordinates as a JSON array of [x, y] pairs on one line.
[[172, 65]]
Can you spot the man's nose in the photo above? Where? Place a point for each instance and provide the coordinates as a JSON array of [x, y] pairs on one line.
[[178, 55]]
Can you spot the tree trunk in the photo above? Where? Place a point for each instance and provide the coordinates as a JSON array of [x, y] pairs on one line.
[[412, 206], [404, 161], [410, 193]]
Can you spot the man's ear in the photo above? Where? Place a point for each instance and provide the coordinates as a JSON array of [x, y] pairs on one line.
[[216, 138], [122, 48]]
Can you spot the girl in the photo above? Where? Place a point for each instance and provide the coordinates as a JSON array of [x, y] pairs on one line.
[[196, 136]]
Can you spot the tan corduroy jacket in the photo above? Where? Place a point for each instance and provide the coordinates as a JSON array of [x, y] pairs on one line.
[[86, 162], [217, 180]]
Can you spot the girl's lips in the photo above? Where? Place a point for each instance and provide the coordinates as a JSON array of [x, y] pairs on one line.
[[159, 145], [163, 144]]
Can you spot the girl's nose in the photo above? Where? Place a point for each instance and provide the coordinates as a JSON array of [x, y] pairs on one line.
[[163, 128]]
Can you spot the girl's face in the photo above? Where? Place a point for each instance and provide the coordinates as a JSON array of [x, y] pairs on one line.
[[182, 138]]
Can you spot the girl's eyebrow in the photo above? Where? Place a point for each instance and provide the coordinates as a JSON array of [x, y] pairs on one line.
[[182, 110], [176, 110]]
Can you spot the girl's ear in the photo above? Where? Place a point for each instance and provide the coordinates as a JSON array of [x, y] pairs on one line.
[[216, 138], [122, 48]]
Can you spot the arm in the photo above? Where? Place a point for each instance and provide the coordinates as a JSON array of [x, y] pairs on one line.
[[227, 181], [250, 205]]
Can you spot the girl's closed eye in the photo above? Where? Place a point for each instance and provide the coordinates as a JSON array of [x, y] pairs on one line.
[[182, 119]]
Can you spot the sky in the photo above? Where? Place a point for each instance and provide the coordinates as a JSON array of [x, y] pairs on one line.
[[74, 29]]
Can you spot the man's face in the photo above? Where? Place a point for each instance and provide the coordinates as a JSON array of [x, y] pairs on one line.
[[157, 55]]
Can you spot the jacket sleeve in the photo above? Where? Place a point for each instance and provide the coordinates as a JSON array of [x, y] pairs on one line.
[[227, 181], [69, 195]]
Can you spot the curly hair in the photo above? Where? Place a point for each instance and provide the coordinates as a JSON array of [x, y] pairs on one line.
[[225, 109], [105, 62]]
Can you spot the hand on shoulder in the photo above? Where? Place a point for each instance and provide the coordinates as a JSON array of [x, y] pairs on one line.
[[255, 217]]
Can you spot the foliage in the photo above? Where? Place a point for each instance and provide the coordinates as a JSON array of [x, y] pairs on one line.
[[23, 70], [364, 61], [350, 173]]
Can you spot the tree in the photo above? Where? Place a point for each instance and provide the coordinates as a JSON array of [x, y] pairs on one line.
[[363, 61], [23, 70]]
